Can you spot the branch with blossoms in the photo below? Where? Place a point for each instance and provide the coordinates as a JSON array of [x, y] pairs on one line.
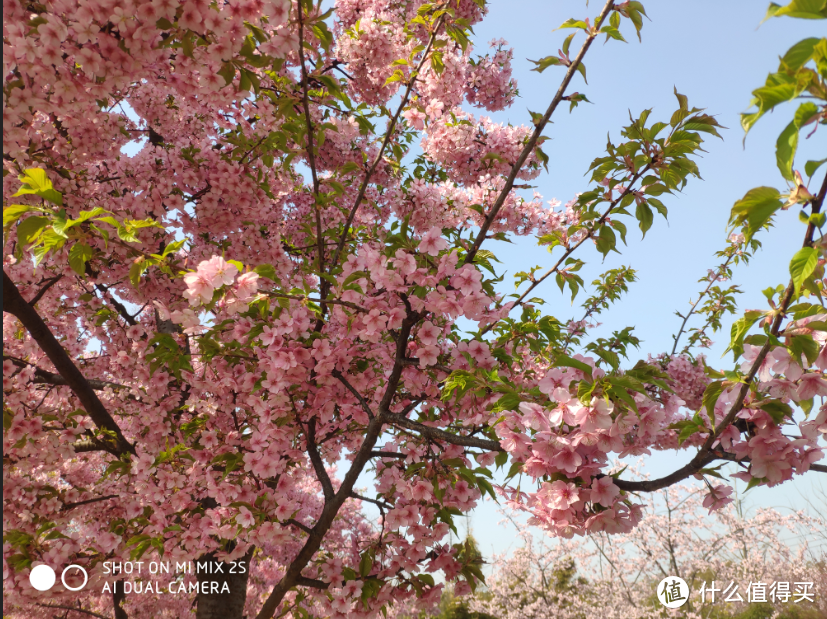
[[705, 454], [540, 125], [15, 304]]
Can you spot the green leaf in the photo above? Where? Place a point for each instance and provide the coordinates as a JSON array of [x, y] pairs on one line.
[[79, 255], [13, 212], [485, 485], [173, 247], [803, 264], [711, 395], [686, 429], [645, 216], [268, 271], [811, 166], [545, 63], [739, 330], [501, 459], [788, 140], [798, 55], [606, 240], [785, 149], [437, 63], [325, 36], [227, 71], [396, 76], [771, 96], [612, 32], [245, 84], [29, 228], [573, 23], [582, 69], [137, 269], [683, 100], [573, 363], [36, 182], [366, 563], [567, 43], [777, 410], [802, 9], [755, 209], [755, 481]]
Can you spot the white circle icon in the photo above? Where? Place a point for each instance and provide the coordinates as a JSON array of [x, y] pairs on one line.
[[42, 577], [77, 567], [673, 592]]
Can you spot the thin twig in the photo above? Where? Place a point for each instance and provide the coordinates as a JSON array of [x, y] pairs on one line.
[[721, 270], [574, 247], [49, 283], [311, 156], [538, 130]]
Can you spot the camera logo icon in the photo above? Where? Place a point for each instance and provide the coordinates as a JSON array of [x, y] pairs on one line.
[[42, 577]]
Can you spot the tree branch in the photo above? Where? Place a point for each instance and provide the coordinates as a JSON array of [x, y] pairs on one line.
[[435, 434], [721, 270], [298, 524], [574, 247], [17, 306], [331, 508], [67, 506], [820, 468], [303, 581], [311, 156], [119, 307], [381, 504], [49, 283], [88, 445], [50, 378], [387, 454], [316, 459], [280, 295], [118, 597], [338, 375], [705, 454], [532, 142]]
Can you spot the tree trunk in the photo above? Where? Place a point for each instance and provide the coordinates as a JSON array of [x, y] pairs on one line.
[[222, 587], [118, 596]]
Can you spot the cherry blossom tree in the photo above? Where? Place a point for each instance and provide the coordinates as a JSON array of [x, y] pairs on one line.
[[280, 281], [616, 576]]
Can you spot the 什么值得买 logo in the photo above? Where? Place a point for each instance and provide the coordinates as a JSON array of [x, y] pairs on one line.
[[673, 592]]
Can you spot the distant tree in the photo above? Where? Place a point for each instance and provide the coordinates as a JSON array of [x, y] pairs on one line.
[[615, 576]]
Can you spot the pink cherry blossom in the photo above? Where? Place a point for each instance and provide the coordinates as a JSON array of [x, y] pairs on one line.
[[717, 497], [603, 491], [432, 242]]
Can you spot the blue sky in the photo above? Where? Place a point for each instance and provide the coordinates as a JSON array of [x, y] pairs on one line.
[[716, 54]]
